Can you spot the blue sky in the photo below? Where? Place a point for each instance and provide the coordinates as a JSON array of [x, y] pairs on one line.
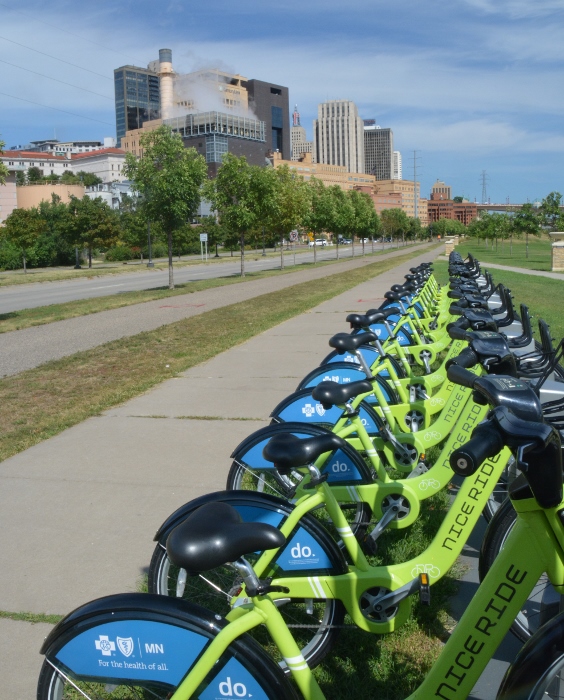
[[471, 85]]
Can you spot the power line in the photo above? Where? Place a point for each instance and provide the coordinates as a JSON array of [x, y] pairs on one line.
[[66, 31], [56, 79], [74, 65], [81, 116]]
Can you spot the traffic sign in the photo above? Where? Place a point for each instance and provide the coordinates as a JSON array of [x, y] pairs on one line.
[[203, 237]]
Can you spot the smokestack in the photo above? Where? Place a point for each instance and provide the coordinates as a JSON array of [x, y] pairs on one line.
[[166, 75]]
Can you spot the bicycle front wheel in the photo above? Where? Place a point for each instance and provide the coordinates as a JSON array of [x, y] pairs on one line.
[[538, 671], [543, 602]]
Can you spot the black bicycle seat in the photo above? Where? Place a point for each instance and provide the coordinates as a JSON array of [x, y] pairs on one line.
[[286, 451], [331, 393], [343, 342], [214, 535]]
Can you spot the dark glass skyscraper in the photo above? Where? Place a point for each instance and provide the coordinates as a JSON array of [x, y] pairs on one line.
[[137, 95], [270, 103], [378, 151]]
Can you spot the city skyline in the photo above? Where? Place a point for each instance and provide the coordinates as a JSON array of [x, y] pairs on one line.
[[476, 90]]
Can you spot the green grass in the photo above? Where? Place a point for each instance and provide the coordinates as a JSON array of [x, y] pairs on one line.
[[64, 392], [392, 666], [17, 320], [539, 252], [34, 618], [543, 296]]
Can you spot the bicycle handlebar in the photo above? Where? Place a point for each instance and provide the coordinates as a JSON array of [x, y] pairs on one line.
[[460, 375], [485, 442], [467, 358]]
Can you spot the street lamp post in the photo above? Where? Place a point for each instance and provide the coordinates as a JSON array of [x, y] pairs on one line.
[[263, 244], [150, 263], [77, 265]]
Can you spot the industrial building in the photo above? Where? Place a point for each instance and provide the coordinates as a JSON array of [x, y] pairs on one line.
[[214, 111]]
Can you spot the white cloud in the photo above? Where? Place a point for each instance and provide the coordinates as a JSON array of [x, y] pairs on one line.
[[517, 9], [477, 136]]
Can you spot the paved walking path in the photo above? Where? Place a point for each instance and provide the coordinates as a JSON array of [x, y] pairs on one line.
[[524, 271], [30, 347], [78, 512]]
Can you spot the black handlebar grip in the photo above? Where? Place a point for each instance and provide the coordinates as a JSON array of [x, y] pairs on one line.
[[485, 442], [461, 376], [467, 358], [456, 332]]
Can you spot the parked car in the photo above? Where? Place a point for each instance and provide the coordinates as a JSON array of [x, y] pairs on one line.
[[364, 240], [345, 241], [317, 241]]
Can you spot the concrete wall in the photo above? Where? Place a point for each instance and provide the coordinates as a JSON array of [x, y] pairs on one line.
[[31, 195], [8, 199]]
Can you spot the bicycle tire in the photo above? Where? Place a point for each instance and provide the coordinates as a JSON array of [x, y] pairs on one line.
[[538, 671], [54, 683], [323, 619], [499, 494], [543, 602], [241, 478]]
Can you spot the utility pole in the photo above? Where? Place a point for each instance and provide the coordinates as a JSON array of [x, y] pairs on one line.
[[415, 167], [484, 178]]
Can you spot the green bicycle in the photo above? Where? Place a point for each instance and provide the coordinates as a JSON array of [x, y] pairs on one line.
[[149, 646]]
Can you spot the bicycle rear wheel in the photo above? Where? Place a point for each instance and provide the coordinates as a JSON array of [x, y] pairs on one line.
[[314, 623]]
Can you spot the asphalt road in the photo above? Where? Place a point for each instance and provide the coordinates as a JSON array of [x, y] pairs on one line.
[[20, 297]]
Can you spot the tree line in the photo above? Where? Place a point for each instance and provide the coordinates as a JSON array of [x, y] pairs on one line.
[[251, 205]]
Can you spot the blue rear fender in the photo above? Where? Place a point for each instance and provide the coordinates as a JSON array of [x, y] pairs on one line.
[[344, 466], [153, 641], [309, 547]]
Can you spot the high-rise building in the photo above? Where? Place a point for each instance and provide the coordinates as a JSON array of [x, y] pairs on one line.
[[137, 96], [298, 138], [338, 135], [397, 175], [378, 151], [270, 104]]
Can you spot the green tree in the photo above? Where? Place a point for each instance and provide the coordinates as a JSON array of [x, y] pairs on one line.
[[91, 224], [319, 217], [3, 168], [526, 220], [395, 222], [365, 216], [550, 213], [88, 179], [240, 194], [415, 229], [20, 178], [134, 224], [170, 177], [287, 203], [23, 228], [343, 214], [56, 216], [34, 174], [458, 199], [69, 178]]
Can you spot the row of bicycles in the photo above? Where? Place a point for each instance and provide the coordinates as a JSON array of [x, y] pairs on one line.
[[442, 387]]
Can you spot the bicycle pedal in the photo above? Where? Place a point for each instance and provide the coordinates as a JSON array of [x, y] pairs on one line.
[[424, 590]]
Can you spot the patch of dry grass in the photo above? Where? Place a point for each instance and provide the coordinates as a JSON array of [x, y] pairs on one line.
[[41, 402]]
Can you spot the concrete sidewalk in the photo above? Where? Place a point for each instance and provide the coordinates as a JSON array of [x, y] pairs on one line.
[[79, 511]]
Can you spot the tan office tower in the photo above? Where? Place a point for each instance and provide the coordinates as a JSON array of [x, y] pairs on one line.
[[338, 134]]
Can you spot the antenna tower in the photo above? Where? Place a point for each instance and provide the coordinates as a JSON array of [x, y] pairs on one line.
[[484, 178]]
